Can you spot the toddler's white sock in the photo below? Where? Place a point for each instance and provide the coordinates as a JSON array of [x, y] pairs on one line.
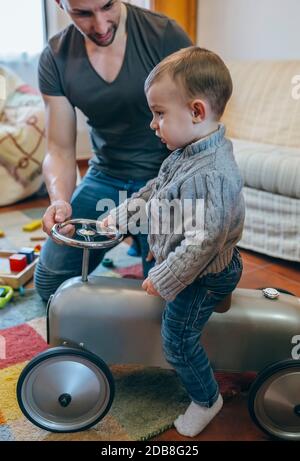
[[196, 418]]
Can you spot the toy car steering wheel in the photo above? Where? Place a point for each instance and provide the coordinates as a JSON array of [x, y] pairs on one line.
[[90, 235]]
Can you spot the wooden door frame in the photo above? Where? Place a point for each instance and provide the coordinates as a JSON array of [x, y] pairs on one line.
[[186, 15]]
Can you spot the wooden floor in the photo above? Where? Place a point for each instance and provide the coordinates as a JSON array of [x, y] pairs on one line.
[[233, 423]]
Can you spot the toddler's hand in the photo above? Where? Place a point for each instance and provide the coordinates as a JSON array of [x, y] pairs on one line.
[[107, 222], [149, 287], [150, 257]]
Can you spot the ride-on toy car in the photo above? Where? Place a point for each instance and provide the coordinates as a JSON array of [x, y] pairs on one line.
[[94, 321]]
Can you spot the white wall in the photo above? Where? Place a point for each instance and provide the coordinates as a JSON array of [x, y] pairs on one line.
[[250, 29]]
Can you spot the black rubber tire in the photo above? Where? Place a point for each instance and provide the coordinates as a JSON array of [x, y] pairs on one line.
[[55, 352], [259, 381]]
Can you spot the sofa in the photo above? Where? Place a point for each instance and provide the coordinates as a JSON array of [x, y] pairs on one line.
[[22, 138], [263, 122]]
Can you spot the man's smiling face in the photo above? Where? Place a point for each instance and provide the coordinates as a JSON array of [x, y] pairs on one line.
[[96, 19]]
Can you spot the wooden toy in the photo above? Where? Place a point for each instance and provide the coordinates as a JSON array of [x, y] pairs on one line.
[[17, 262], [2, 233], [37, 238], [107, 262], [33, 225], [15, 280], [28, 252]]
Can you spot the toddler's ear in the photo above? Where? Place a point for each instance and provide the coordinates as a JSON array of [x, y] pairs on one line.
[[198, 110]]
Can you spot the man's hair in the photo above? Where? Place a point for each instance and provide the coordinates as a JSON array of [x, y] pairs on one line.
[[200, 72]]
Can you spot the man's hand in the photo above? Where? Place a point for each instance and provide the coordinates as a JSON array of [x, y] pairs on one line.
[[149, 287], [58, 212]]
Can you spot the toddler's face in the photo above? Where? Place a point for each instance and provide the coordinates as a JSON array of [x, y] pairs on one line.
[[172, 114]]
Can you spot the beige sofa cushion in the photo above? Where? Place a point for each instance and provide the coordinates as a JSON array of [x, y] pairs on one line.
[[262, 108], [270, 168]]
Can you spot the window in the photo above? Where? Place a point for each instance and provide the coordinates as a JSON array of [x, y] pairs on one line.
[[21, 27]]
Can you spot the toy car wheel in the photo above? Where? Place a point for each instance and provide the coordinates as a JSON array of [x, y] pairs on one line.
[[65, 390], [274, 400]]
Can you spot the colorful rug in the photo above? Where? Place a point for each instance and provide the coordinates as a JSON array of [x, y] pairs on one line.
[[147, 400]]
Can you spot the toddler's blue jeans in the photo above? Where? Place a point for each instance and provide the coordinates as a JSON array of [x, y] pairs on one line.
[[182, 325], [58, 263]]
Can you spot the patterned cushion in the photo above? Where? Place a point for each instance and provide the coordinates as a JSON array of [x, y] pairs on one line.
[[268, 167], [262, 108], [22, 144], [9, 82]]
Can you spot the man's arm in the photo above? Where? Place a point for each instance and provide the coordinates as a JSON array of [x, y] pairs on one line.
[[59, 166]]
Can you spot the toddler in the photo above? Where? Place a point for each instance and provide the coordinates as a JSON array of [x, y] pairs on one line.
[[196, 265]]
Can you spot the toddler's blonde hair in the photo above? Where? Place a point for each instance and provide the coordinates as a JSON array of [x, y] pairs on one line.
[[200, 72]]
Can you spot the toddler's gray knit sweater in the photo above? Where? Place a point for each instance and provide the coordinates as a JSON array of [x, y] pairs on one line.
[[205, 170]]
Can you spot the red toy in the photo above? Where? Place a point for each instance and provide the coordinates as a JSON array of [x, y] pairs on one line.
[[17, 262]]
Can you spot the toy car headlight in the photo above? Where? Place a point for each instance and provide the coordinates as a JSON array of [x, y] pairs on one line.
[[270, 293]]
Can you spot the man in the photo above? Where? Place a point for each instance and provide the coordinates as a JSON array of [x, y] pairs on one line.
[[99, 64]]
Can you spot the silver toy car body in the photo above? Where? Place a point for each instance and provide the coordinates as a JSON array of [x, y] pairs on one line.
[[95, 321]]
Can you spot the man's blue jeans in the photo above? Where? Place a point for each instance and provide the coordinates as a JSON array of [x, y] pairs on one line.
[[182, 325], [58, 263]]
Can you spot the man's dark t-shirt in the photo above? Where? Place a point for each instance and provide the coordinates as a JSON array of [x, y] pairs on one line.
[[118, 115]]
